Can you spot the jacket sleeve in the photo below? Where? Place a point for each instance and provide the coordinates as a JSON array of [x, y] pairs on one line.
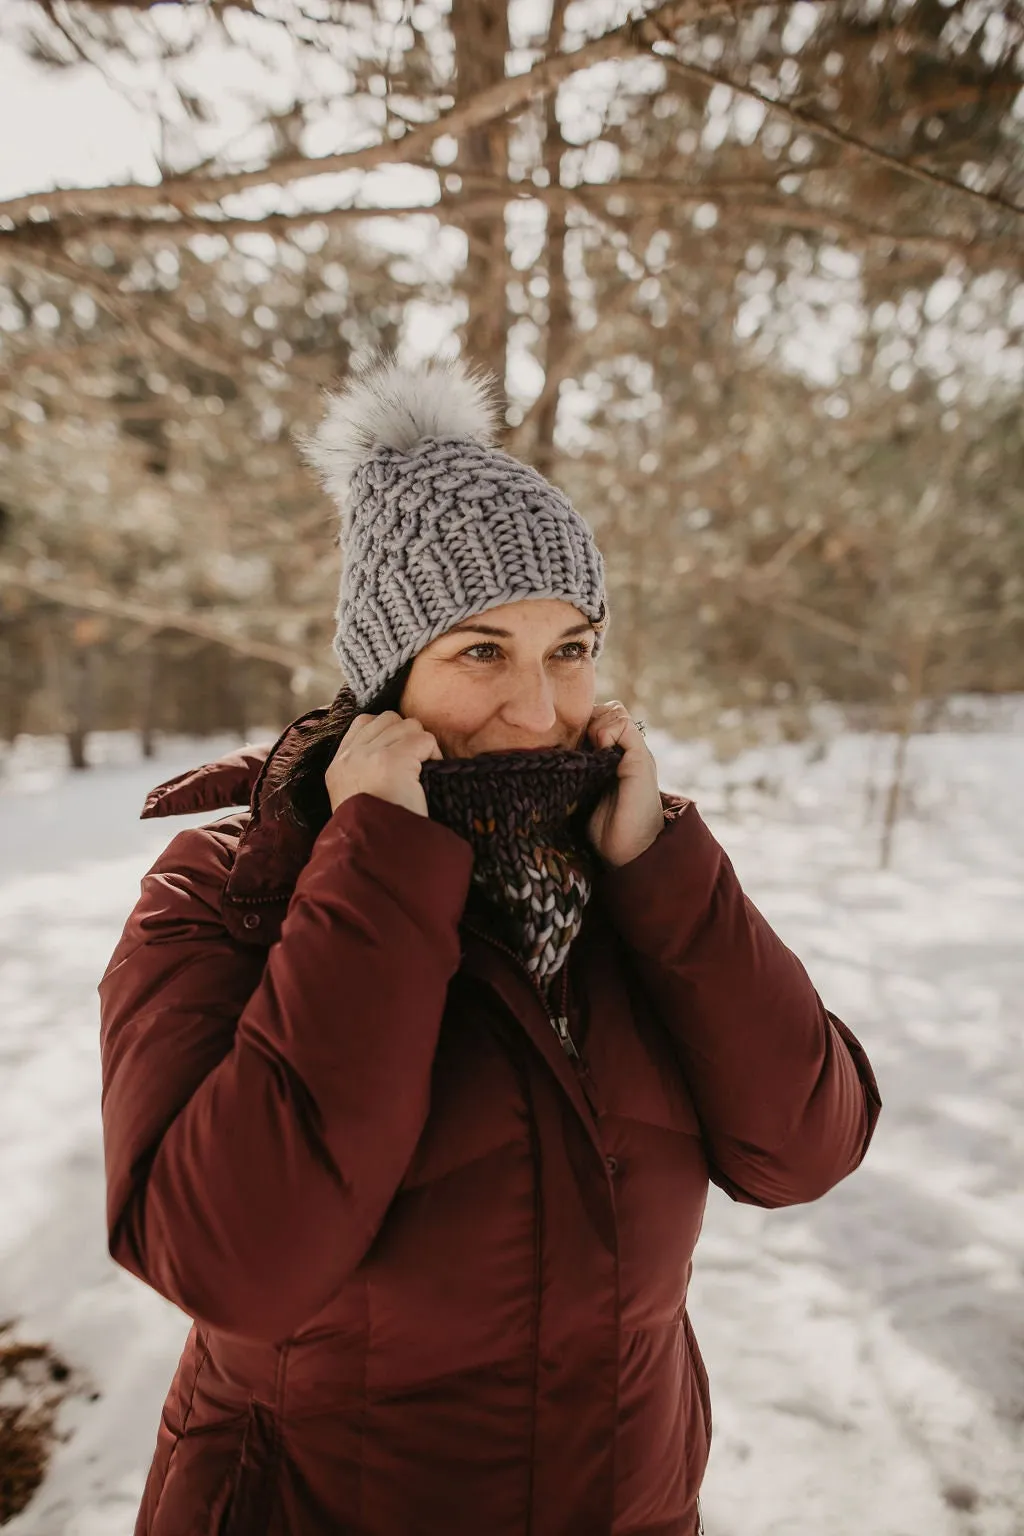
[[259, 1117], [784, 1092]]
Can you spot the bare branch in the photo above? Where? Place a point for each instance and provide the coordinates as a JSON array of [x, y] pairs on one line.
[[810, 618], [847, 141], [730, 198], [68, 595], [149, 5], [499, 100]]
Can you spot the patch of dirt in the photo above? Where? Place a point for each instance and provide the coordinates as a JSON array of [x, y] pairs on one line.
[[33, 1383]]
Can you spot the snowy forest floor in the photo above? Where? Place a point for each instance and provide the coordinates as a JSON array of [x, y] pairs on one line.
[[866, 1352]]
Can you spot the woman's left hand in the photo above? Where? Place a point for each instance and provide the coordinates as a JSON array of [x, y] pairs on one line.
[[630, 816]]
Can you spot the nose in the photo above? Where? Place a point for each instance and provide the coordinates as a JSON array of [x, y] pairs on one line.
[[530, 704]]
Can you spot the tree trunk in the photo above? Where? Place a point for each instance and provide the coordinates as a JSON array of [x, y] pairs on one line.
[[80, 663], [149, 690], [480, 30], [19, 680], [559, 327], [917, 664], [286, 704], [238, 699]]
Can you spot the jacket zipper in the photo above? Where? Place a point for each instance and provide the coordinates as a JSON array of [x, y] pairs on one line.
[[561, 1024], [559, 1021]]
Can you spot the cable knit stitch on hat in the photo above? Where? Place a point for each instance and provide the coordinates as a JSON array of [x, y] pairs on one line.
[[437, 524]]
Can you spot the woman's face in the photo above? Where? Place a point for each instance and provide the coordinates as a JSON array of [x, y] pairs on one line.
[[516, 677]]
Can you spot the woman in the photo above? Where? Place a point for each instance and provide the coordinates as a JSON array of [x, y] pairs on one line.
[[415, 1073]]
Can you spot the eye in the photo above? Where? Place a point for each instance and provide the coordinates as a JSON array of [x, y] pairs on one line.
[[487, 651]]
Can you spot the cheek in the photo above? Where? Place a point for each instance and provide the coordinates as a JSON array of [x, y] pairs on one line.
[[448, 709], [576, 696]]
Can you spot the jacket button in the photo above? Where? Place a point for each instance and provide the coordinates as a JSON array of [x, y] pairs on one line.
[[251, 920], [612, 1164]]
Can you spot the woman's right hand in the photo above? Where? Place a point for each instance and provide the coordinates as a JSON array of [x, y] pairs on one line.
[[381, 755]]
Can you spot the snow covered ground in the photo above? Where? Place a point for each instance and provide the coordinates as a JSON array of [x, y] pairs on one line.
[[866, 1352]]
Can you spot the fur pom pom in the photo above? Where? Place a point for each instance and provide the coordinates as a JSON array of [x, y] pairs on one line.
[[386, 405]]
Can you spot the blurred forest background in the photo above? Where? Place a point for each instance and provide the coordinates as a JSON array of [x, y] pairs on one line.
[[751, 274]]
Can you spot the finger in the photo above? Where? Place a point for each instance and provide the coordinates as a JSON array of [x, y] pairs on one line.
[[617, 728], [420, 747], [404, 731], [605, 716], [395, 731], [367, 728], [609, 707]]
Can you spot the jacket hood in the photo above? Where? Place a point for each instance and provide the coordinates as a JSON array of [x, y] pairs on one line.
[[226, 781], [212, 787], [270, 849]]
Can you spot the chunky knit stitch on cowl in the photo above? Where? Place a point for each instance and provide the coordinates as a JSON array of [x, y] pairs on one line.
[[525, 814]]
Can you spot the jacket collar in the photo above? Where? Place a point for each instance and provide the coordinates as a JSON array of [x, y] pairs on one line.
[[272, 848]]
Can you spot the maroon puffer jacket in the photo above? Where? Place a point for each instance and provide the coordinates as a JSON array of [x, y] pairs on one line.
[[438, 1269]]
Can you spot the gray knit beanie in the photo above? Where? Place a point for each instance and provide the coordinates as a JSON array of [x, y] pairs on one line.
[[436, 523]]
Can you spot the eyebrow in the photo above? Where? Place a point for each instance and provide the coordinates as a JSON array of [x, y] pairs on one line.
[[506, 634]]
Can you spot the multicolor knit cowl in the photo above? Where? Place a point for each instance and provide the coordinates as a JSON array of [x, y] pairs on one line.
[[525, 814]]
